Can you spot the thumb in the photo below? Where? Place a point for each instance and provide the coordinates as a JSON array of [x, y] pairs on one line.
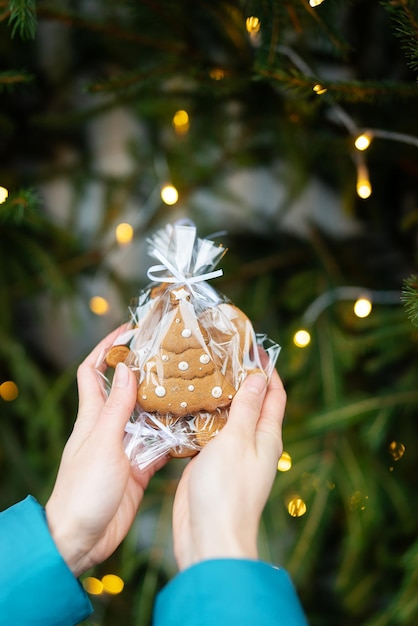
[[120, 403], [247, 403]]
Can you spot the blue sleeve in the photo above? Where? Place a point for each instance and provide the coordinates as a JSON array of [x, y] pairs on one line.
[[36, 586], [228, 591]]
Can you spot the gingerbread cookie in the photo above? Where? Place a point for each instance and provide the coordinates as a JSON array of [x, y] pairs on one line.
[[184, 376]]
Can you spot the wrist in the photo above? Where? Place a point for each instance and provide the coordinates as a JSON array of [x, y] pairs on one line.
[[67, 542], [219, 547]]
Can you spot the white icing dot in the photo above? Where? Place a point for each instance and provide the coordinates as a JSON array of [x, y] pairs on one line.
[[165, 357], [190, 387], [144, 397], [186, 332], [177, 320], [205, 358], [230, 396], [183, 405], [183, 365], [160, 391], [216, 392]]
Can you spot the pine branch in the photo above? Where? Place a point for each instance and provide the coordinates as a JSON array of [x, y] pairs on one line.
[[23, 20], [19, 206], [410, 298], [405, 16]]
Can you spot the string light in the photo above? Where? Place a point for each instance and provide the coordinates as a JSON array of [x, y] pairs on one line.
[[124, 233], [285, 462], [362, 307], [181, 122], [396, 450], [358, 501], [9, 391], [319, 89], [363, 187], [296, 507], [217, 73], [252, 24], [315, 3], [169, 194], [112, 584], [99, 305], [302, 338], [93, 585], [363, 141], [3, 194]]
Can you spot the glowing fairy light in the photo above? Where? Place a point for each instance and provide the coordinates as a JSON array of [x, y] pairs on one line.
[[363, 187], [315, 3], [362, 142], [396, 450], [319, 89], [296, 507], [358, 501], [252, 24], [301, 338], [362, 307], [285, 462], [3, 194], [99, 305], [9, 391], [112, 584], [124, 233], [93, 586], [181, 122], [217, 73], [169, 194]]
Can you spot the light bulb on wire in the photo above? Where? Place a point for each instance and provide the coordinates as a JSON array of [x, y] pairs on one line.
[[169, 194], [363, 141], [3, 194]]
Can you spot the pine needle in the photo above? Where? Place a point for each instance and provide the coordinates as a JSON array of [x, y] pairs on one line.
[[410, 298], [23, 20]]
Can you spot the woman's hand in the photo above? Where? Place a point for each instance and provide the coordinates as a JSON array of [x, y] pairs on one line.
[[96, 495], [223, 490]]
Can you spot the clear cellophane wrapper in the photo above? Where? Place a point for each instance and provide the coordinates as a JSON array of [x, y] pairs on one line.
[[189, 347]]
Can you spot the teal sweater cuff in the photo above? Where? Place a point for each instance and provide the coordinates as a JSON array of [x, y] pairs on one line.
[[229, 591], [36, 585]]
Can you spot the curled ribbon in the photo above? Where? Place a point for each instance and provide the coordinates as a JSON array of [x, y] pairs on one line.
[[176, 276]]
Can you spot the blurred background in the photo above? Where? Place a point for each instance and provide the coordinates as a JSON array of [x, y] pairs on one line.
[[118, 118]]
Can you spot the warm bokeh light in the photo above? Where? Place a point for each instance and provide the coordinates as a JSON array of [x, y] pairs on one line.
[[252, 24], [396, 450], [93, 586], [301, 338], [124, 233], [296, 507], [358, 501], [285, 462], [181, 122], [169, 194], [112, 584], [362, 142], [362, 307], [3, 194], [364, 189], [319, 89], [217, 73], [9, 391], [315, 3], [99, 305]]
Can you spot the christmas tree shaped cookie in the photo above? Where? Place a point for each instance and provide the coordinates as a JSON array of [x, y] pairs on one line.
[[187, 372]]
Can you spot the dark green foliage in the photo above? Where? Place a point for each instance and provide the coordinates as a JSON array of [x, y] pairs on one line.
[[352, 394]]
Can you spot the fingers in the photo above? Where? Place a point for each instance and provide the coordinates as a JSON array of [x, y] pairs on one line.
[[91, 390], [269, 426], [247, 403]]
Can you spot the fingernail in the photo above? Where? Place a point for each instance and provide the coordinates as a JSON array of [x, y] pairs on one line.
[[256, 383], [121, 377]]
